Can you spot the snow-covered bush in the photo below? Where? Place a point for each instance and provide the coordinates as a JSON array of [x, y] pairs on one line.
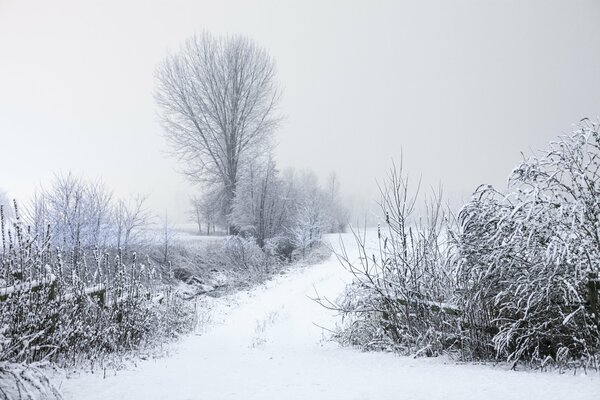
[[398, 299], [244, 253], [25, 382], [78, 305], [514, 279], [280, 246], [311, 216], [528, 261], [309, 224]]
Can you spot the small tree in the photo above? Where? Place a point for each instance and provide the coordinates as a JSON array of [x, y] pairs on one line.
[[338, 214], [79, 212], [130, 218], [262, 203], [310, 218], [195, 212], [206, 208]]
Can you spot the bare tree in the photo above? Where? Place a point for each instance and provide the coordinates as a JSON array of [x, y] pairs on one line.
[[206, 208], [338, 213], [79, 212], [195, 212], [217, 99], [130, 217], [263, 202]]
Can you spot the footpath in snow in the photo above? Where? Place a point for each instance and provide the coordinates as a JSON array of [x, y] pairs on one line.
[[270, 346]]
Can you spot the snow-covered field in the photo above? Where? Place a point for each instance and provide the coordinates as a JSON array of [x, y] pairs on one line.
[[268, 344]]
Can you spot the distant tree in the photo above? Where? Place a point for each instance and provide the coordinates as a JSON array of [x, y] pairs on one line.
[[338, 214], [206, 208], [195, 212], [130, 218], [168, 238], [217, 99], [262, 203], [310, 218], [79, 212]]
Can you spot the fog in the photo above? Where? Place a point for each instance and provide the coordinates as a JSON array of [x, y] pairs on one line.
[[459, 88]]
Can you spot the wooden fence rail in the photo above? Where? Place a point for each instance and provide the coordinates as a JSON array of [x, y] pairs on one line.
[[31, 286]]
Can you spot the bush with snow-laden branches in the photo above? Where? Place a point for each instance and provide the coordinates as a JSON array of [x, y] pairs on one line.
[[513, 278], [399, 297], [528, 262], [78, 305]]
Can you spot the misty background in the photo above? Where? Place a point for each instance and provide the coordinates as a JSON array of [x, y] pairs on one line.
[[461, 89]]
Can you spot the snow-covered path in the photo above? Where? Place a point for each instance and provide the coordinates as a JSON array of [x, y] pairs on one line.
[[269, 347]]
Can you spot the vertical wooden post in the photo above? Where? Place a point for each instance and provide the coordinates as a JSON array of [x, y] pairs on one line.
[[593, 287], [52, 293]]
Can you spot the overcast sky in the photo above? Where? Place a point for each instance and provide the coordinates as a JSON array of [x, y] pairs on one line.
[[460, 86]]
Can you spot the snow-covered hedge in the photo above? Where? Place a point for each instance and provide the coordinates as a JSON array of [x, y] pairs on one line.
[[22, 382], [514, 279], [528, 261], [398, 300], [77, 306]]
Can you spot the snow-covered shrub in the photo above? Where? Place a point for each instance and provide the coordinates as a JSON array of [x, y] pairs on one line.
[[515, 280], [280, 247], [67, 307], [398, 299], [309, 224], [25, 382], [246, 254], [528, 261]]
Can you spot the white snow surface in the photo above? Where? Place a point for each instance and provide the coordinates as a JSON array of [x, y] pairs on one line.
[[265, 344]]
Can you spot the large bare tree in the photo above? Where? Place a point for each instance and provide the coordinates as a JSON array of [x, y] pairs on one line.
[[217, 98]]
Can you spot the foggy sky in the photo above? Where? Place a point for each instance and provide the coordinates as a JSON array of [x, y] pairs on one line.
[[461, 87]]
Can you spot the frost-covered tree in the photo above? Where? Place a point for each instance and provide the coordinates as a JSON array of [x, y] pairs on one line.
[[285, 210], [337, 212], [78, 212], [130, 217], [311, 218], [217, 99], [206, 208], [263, 202], [195, 211]]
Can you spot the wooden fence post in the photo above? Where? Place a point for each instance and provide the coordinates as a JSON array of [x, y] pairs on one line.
[[593, 287]]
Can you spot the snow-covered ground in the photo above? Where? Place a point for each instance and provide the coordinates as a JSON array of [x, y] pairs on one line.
[[267, 344]]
